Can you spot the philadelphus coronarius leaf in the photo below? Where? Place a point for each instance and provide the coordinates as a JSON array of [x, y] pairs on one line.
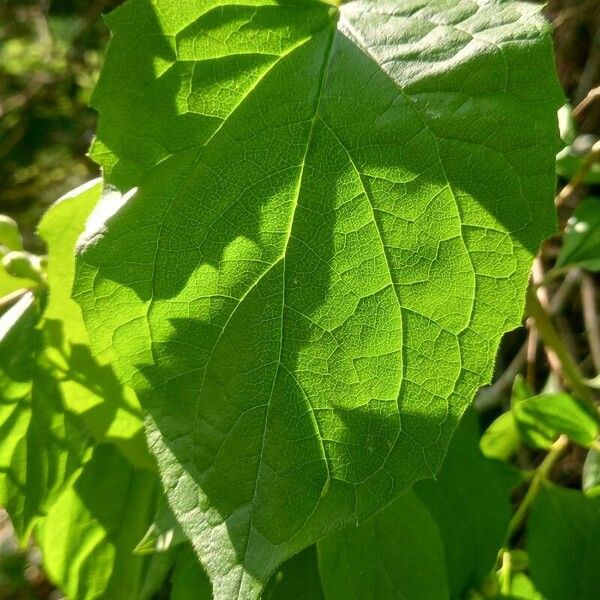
[[335, 218]]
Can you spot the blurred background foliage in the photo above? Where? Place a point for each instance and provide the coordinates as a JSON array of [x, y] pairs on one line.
[[50, 55]]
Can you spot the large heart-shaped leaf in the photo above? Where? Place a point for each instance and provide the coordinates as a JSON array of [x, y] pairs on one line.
[[334, 224]]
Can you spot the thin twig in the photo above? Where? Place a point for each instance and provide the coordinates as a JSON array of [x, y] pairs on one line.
[[569, 189], [586, 79], [490, 396], [590, 317], [591, 96], [538, 275], [568, 368], [10, 299], [533, 341], [542, 473], [562, 294]]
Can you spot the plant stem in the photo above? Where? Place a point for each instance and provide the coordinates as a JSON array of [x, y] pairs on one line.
[[578, 178], [551, 338], [540, 476], [591, 96], [506, 572], [590, 317]]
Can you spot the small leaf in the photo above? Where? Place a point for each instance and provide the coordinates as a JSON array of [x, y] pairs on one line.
[[519, 560], [541, 419], [501, 439], [522, 588], [164, 533], [581, 245], [520, 390], [189, 581], [10, 237], [562, 542], [23, 265]]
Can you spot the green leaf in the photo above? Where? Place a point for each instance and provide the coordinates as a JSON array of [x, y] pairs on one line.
[[541, 419], [562, 542], [335, 218], [88, 537], [189, 582], [522, 588], [520, 390], [10, 239], [297, 579], [435, 542], [88, 384], [23, 265], [41, 446], [163, 534], [10, 236], [471, 503], [501, 439], [396, 554], [581, 241]]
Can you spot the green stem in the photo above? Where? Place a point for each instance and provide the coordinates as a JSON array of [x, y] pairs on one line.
[[506, 573], [552, 339], [540, 476]]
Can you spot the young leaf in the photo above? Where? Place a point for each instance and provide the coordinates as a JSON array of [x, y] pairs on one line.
[[90, 532], [435, 542], [10, 236], [335, 219], [581, 246], [562, 542], [501, 439], [10, 240], [541, 419], [163, 534], [522, 588]]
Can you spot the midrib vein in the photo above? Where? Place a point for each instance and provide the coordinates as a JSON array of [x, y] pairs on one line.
[[321, 87]]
